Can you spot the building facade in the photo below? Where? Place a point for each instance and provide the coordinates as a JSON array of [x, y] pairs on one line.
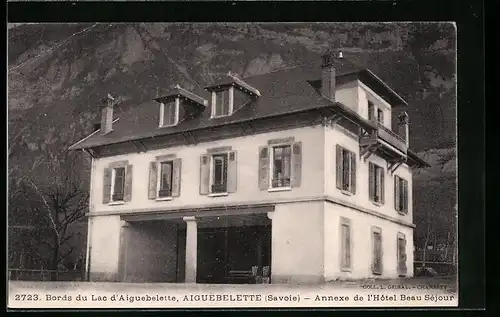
[[300, 175]]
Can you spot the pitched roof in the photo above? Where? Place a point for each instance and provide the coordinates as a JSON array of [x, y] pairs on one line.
[[282, 92]]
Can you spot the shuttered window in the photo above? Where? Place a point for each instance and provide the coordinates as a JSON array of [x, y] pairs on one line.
[[118, 184], [346, 170], [376, 181], [164, 178], [401, 244], [345, 245], [400, 194], [376, 251], [218, 172]]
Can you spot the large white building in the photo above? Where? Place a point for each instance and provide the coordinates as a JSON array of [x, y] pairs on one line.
[[297, 172]]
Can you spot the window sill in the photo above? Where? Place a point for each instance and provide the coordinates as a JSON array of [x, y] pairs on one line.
[[345, 192], [279, 189], [163, 198], [377, 273], [346, 269], [377, 204], [167, 125], [402, 213], [221, 116], [217, 194], [116, 203]]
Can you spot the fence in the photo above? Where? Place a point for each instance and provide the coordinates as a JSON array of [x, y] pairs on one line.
[[45, 275], [442, 268]]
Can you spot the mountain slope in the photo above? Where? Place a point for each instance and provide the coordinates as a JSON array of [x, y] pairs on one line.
[[59, 73]]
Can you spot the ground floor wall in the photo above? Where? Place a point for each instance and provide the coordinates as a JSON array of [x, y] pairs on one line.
[[305, 246], [104, 248], [297, 243], [361, 225]]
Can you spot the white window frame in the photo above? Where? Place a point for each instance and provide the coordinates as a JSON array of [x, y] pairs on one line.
[[162, 114], [211, 173], [113, 178], [271, 166], [158, 180], [230, 101]]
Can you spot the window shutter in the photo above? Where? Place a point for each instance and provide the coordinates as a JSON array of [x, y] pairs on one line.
[[396, 193], [232, 172], [204, 174], [263, 168], [382, 185], [353, 172], [297, 164], [405, 196], [348, 246], [127, 195], [338, 163], [176, 177], [405, 269], [371, 181], [153, 180], [106, 188]]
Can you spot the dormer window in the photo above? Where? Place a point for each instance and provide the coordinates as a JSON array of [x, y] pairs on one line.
[[222, 102], [227, 96], [169, 113]]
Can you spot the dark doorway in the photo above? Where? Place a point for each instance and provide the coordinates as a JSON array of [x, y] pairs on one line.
[[222, 251]]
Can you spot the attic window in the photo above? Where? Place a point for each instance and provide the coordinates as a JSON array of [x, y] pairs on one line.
[[169, 113], [222, 103]]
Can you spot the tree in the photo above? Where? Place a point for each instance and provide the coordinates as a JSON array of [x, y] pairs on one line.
[[62, 201]]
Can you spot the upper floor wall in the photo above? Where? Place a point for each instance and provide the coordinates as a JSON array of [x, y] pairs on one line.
[[293, 164], [197, 167], [363, 184], [357, 97]]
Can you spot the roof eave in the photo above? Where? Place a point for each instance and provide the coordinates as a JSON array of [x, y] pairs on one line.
[[394, 94], [416, 161], [180, 92], [76, 146]]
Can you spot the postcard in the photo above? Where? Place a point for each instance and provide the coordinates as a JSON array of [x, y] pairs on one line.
[[227, 165]]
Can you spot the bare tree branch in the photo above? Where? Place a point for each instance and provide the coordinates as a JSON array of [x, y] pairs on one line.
[[49, 213]]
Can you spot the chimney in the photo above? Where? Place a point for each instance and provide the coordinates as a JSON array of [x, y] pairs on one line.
[[404, 127], [328, 74], [107, 114]]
